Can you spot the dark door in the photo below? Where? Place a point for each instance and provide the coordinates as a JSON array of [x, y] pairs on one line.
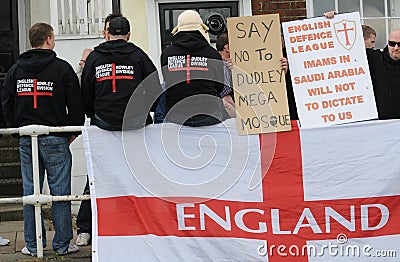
[[9, 44], [116, 6], [10, 175]]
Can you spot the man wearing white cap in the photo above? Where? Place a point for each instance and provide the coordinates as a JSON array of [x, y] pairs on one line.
[[193, 73]]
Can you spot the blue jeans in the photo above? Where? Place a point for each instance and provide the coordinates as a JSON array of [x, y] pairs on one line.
[[161, 109], [54, 157], [84, 218]]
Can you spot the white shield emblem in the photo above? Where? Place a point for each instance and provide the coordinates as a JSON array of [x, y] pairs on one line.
[[345, 31]]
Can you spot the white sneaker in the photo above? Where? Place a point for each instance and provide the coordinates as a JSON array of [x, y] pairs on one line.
[[72, 248], [4, 242], [26, 251], [83, 239]]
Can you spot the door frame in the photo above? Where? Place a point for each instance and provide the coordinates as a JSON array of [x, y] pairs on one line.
[[24, 16], [153, 21]]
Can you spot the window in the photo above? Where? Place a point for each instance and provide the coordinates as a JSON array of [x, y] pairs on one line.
[[80, 17], [382, 15]]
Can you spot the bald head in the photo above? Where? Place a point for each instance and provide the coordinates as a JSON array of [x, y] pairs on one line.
[[395, 33], [393, 47]]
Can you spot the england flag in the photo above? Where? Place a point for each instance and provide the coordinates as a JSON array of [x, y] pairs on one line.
[[173, 193]]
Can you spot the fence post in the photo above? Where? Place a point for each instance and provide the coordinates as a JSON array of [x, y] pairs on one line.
[[37, 199], [36, 193]]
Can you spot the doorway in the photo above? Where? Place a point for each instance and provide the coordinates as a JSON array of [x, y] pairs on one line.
[[214, 15], [9, 41]]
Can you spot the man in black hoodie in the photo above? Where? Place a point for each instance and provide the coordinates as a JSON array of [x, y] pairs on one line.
[[84, 217], [114, 70], [384, 66], [194, 74], [41, 89]]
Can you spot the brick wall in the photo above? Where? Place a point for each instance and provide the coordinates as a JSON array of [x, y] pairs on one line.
[[288, 10]]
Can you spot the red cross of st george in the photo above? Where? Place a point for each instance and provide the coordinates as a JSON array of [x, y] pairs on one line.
[[282, 190], [188, 68], [35, 94], [345, 30], [113, 77]]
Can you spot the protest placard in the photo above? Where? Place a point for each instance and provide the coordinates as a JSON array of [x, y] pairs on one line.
[[329, 70], [257, 76]]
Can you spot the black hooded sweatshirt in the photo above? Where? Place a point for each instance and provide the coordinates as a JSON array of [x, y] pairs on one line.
[[385, 75], [42, 89], [192, 67], [107, 99]]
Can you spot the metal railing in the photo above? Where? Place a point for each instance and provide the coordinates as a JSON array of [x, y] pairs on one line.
[[38, 199]]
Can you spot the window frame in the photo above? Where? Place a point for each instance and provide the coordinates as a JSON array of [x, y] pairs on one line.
[[387, 18]]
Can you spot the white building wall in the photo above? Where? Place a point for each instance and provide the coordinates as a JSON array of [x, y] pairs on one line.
[[71, 49], [40, 11]]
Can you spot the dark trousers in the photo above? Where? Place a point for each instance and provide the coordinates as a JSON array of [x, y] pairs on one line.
[[84, 219]]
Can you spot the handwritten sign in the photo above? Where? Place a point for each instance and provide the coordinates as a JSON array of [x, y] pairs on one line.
[[258, 79], [329, 70]]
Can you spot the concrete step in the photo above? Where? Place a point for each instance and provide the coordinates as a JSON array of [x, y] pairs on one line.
[[9, 154], [10, 170], [8, 141], [15, 212], [11, 187], [11, 212], [10, 179]]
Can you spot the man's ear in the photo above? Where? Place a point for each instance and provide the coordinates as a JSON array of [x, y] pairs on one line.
[[107, 35], [49, 41], [227, 47], [128, 36]]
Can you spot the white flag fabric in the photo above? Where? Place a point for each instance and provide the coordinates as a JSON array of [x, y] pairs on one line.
[[173, 193]]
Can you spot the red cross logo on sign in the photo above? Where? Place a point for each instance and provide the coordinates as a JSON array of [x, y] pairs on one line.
[[346, 33]]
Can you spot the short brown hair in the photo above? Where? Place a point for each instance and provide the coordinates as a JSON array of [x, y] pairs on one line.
[[38, 34], [222, 40], [368, 31], [109, 17]]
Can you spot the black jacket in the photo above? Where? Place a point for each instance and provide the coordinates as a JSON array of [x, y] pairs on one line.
[[107, 99], [203, 75], [42, 89], [385, 74], [290, 92]]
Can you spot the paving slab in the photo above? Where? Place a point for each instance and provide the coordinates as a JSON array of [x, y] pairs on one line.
[[14, 231]]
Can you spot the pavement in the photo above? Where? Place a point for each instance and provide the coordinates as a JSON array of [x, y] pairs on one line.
[[14, 231]]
